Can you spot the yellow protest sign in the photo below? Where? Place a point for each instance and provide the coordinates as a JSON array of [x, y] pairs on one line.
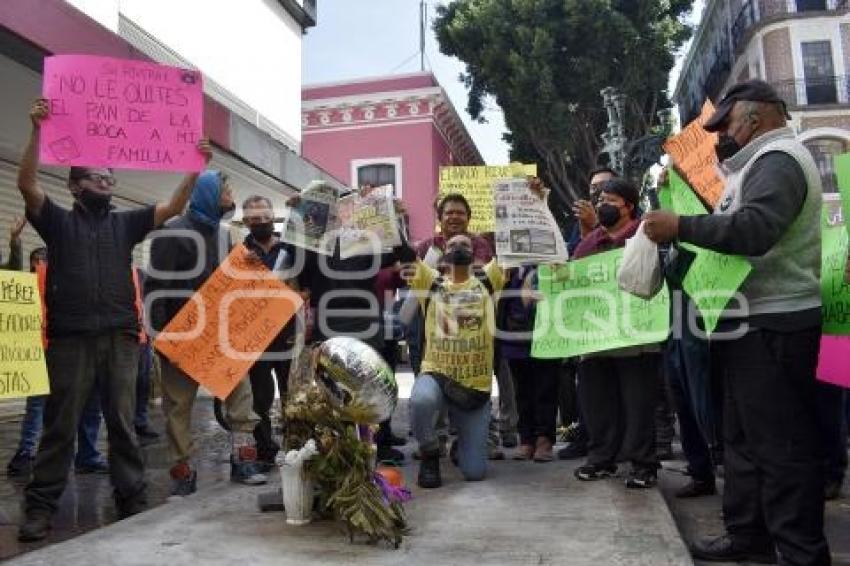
[[23, 371], [476, 184]]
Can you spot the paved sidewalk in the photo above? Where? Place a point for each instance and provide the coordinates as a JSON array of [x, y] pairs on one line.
[[524, 513]]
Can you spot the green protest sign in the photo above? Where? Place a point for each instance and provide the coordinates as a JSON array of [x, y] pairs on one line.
[[683, 200], [713, 278], [842, 173], [835, 290], [584, 310]]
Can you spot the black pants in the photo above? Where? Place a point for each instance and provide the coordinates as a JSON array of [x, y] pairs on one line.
[[263, 389], [536, 389], [618, 401], [665, 420], [773, 465], [568, 404], [384, 435], [74, 365], [833, 430]]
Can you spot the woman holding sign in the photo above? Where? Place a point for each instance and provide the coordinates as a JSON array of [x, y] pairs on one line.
[[619, 388]]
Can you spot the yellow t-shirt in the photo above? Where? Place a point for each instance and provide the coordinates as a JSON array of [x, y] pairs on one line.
[[459, 326]]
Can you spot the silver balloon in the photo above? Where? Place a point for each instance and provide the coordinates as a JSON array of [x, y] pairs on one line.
[[352, 371]]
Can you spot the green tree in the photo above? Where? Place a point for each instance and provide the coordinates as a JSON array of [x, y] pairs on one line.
[[544, 62]]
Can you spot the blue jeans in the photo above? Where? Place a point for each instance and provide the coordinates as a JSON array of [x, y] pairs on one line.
[[87, 430], [426, 402]]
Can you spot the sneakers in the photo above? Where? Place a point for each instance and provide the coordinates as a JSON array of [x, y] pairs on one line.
[[642, 478], [593, 472], [246, 473], [573, 451], [429, 470], [20, 465], [184, 480], [543, 450], [96, 467], [35, 527]]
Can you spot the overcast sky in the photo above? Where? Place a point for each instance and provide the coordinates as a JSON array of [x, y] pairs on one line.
[[381, 37]]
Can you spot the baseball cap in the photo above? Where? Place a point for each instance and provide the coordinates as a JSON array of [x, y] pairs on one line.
[[753, 90]]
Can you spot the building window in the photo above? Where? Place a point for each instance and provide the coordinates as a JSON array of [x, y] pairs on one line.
[[824, 150], [376, 175], [377, 171], [818, 72]]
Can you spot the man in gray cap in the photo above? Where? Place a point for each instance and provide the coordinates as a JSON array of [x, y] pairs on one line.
[[765, 349]]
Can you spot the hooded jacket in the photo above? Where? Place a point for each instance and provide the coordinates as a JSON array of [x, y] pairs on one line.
[[193, 244]]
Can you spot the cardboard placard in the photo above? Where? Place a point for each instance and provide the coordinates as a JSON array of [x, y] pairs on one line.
[[835, 290], [128, 114], [585, 311], [475, 183], [693, 155], [834, 360], [713, 278], [230, 321], [23, 370]]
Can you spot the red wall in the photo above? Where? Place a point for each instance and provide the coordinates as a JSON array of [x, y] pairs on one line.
[[420, 147]]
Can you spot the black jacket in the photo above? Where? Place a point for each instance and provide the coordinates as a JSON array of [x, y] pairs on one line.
[[175, 254]]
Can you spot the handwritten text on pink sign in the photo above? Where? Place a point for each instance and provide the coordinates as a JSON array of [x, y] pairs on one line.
[[128, 114]]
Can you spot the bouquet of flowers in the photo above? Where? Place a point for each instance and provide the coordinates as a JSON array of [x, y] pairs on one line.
[[350, 489]]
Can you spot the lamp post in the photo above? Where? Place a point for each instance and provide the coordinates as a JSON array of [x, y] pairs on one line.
[[614, 137]]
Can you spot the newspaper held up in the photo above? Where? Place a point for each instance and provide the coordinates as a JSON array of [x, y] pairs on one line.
[[526, 231], [312, 223], [368, 223]]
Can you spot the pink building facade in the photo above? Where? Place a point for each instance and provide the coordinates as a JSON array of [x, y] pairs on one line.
[[394, 130]]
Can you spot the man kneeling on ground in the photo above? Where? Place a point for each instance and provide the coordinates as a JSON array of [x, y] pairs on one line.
[[457, 368]]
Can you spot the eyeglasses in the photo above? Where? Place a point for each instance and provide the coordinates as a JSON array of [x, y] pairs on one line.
[[107, 180]]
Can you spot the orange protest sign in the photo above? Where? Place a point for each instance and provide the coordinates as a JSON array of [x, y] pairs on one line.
[[228, 323], [692, 152]]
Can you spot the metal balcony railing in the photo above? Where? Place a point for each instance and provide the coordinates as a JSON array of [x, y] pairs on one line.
[[814, 91], [754, 11]]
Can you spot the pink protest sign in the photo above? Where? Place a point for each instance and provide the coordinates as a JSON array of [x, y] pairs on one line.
[[122, 113], [834, 362]]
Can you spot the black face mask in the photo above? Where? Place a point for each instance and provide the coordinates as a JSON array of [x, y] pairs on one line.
[[459, 256], [608, 214], [94, 201], [726, 147], [262, 232]]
